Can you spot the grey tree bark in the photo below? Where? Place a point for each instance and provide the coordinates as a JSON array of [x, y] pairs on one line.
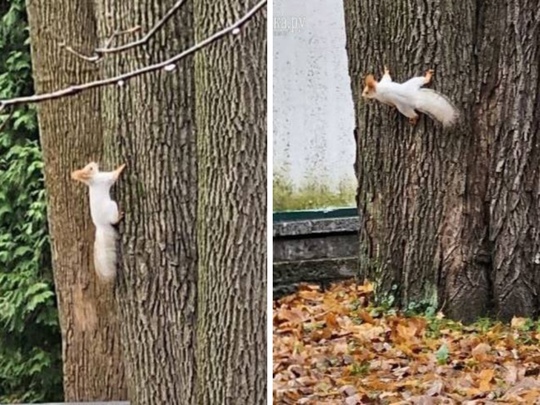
[[451, 217], [149, 124], [231, 124], [70, 131]]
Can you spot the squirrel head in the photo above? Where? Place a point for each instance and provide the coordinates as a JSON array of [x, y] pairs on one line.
[[86, 174], [369, 89]]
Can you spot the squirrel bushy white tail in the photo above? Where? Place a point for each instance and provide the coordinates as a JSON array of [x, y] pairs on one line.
[[105, 251], [105, 215], [409, 96]]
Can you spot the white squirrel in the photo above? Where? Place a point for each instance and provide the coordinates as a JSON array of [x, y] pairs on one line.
[[409, 96], [105, 215]]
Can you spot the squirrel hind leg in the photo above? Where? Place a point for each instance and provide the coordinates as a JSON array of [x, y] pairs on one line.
[[408, 112]]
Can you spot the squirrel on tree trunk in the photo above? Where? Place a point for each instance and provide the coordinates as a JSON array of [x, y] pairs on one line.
[[105, 215], [409, 96]]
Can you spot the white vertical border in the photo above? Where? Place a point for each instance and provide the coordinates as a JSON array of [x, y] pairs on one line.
[[269, 194]]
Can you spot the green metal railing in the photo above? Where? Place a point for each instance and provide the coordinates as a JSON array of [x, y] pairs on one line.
[[305, 215]]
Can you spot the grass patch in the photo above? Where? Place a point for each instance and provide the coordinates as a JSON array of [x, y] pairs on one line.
[[312, 194]]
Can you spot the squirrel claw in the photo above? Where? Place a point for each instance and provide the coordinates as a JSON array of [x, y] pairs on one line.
[[413, 121]]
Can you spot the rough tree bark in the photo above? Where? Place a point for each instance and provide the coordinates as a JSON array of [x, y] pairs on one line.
[[149, 124], [509, 108], [70, 131], [231, 124], [451, 217]]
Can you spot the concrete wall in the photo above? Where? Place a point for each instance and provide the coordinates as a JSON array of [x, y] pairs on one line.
[[315, 251], [313, 108]]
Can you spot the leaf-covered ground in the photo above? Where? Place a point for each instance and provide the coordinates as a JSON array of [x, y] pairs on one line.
[[333, 347]]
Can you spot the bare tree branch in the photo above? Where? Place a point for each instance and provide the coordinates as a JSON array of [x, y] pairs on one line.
[[97, 56], [168, 65]]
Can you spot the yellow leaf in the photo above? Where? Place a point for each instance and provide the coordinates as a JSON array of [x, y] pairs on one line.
[[484, 379], [366, 288], [367, 332]]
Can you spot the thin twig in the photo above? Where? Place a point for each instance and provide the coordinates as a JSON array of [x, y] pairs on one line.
[[99, 53], [93, 58], [145, 38], [120, 79], [116, 34]]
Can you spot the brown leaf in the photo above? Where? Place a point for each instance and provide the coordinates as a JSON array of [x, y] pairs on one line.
[[366, 317], [511, 374], [436, 388], [348, 390], [340, 347], [353, 400], [532, 396], [310, 294], [294, 315], [320, 334], [527, 384], [481, 351], [297, 370], [331, 321]]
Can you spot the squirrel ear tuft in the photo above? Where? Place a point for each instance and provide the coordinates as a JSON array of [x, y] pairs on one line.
[[370, 81]]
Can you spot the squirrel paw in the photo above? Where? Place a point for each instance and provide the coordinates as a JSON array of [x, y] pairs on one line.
[[118, 171], [120, 217], [413, 121], [386, 70], [429, 75]]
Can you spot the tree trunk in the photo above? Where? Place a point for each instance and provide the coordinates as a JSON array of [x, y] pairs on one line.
[[149, 124], [231, 123], [70, 131], [449, 216], [509, 119]]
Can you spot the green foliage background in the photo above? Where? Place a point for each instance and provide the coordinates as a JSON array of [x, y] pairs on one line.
[[30, 343]]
